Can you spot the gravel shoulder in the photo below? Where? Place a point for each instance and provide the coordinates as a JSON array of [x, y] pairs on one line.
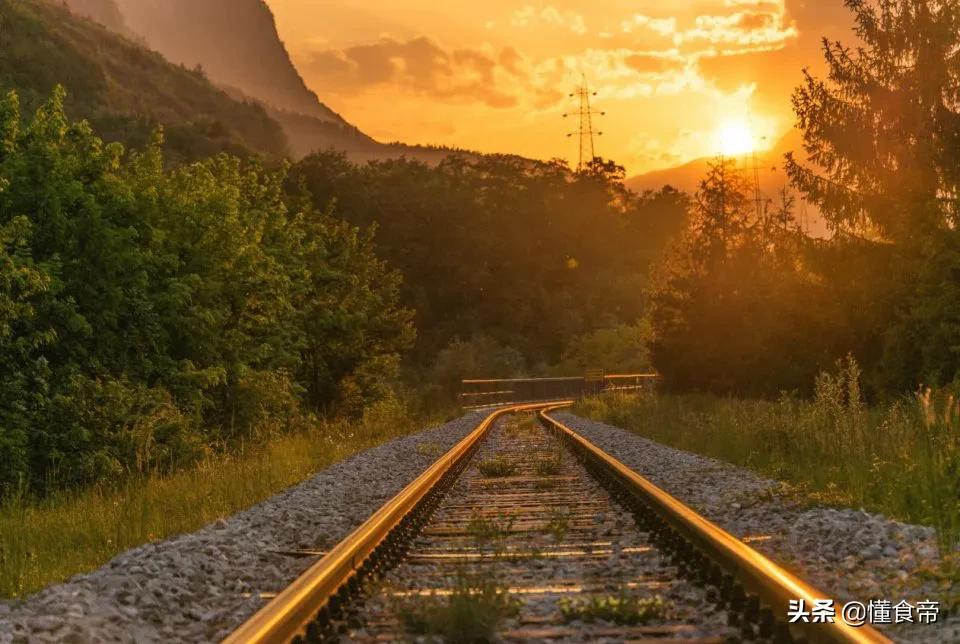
[[852, 554], [197, 587]]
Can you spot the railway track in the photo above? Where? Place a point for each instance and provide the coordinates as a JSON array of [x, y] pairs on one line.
[[527, 531]]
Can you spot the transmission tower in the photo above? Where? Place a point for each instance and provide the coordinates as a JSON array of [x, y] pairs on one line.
[[585, 131], [758, 199]]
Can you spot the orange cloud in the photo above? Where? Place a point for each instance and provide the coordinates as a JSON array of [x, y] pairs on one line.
[[550, 16], [419, 65]]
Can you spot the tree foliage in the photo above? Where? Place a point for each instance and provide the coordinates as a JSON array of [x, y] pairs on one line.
[[148, 314], [729, 304], [526, 253], [882, 133]]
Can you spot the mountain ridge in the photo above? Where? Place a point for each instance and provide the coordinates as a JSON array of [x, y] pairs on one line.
[[123, 89]]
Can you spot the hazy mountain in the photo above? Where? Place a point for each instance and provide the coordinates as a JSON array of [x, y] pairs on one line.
[[234, 41], [106, 12], [122, 88], [687, 176], [773, 179], [236, 44]]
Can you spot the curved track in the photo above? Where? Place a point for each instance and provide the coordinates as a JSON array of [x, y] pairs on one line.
[[544, 532]]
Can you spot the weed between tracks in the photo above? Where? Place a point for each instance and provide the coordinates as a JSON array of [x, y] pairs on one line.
[[558, 524], [484, 529], [550, 463], [520, 424], [622, 609], [470, 613], [496, 467]]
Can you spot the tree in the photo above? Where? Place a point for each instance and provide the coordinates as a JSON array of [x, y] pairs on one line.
[[148, 315], [727, 303], [881, 133]]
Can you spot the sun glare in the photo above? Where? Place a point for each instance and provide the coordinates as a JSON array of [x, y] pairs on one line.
[[735, 137]]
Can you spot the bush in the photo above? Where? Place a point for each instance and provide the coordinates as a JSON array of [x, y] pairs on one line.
[[622, 349], [107, 429], [478, 357], [902, 458], [148, 315]]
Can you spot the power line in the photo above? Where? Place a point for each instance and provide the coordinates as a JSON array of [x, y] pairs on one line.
[[585, 132]]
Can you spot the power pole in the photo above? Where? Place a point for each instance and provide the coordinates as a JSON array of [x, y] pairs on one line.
[[585, 132]]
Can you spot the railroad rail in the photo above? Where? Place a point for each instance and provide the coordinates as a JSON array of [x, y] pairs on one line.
[[431, 524]]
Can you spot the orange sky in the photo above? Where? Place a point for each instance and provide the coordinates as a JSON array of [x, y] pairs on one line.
[[495, 76]]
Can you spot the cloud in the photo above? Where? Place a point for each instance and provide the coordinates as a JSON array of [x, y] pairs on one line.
[[529, 16], [647, 56], [756, 25], [420, 66]]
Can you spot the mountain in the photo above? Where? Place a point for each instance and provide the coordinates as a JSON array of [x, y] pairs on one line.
[[687, 177], [123, 89], [236, 44], [234, 41], [772, 177], [106, 12]]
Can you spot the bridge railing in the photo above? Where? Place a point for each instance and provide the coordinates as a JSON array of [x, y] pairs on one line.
[[486, 392]]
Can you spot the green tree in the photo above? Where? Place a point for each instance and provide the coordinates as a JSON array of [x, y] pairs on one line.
[[881, 134], [729, 303], [148, 315]]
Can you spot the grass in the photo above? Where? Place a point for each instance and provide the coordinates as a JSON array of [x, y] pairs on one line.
[[622, 609], [520, 424], [471, 613], [484, 529], [549, 463], [46, 542], [558, 524], [497, 466], [901, 459], [429, 448]]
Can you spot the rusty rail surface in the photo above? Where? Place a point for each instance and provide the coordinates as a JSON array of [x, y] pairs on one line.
[[750, 579]]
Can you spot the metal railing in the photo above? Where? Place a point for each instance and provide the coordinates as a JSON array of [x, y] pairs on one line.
[[488, 392]]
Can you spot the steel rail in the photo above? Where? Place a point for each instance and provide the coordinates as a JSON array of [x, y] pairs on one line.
[[758, 575], [293, 609]]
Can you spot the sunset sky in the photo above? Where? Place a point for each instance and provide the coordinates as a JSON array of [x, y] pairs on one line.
[[679, 79]]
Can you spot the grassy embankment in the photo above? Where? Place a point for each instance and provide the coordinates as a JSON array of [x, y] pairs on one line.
[[46, 542], [901, 459]]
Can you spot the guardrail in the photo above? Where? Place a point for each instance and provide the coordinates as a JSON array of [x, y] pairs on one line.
[[486, 392]]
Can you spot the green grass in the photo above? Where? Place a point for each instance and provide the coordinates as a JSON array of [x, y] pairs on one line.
[[622, 609], [497, 466], [485, 529], [558, 524], [901, 459], [549, 463], [471, 613], [47, 542]]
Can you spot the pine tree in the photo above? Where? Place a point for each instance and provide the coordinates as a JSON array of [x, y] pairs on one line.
[[882, 130], [882, 135]]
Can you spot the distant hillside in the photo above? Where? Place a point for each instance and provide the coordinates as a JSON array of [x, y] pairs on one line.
[[235, 41], [237, 45], [687, 177], [106, 12], [123, 89]]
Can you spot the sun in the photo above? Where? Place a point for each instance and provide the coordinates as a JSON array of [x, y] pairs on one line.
[[735, 137]]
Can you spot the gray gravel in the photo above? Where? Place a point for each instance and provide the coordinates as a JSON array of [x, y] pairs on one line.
[[198, 587], [850, 554]]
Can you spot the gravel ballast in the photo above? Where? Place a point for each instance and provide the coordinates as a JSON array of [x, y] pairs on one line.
[[198, 587], [850, 554]]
